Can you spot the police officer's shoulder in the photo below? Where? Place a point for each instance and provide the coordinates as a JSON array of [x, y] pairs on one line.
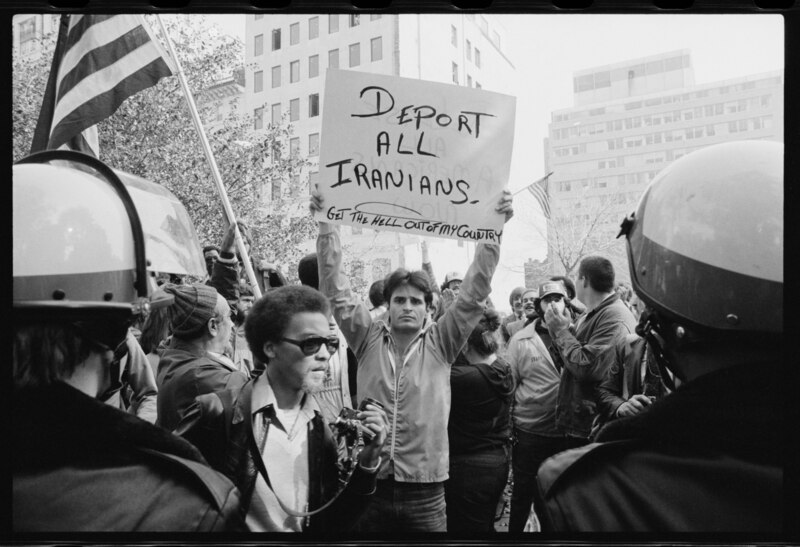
[[218, 489], [560, 468]]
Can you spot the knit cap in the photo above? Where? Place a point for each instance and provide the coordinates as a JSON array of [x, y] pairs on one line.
[[194, 305]]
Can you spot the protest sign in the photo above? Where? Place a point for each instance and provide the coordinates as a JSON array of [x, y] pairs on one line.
[[414, 156]]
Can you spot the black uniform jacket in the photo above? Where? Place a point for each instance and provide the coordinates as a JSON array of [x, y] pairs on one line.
[[706, 458]]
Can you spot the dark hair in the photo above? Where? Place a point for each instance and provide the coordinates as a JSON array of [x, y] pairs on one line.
[[417, 279], [490, 322], [210, 248], [267, 319], [376, 293], [46, 352], [155, 329], [569, 285], [516, 293], [599, 271], [308, 271]]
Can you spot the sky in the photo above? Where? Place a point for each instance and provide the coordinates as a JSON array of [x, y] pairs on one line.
[[546, 50]]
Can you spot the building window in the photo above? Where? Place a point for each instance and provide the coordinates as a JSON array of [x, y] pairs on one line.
[[276, 76], [469, 50], [333, 23], [27, 30], [469, 80], [333, 58], [477, 85], [313, 28], [258, 118], [313, 105], [477, 57], [294, 110], [454, 35], [455, 73], [276, 39], [294, 146], [313, 66], [294, 34], [276, 189], [354, 19], [376, 49], [294, 71], [276, 113], [258, 45], [258, 81], [313, 144], [355, 54]]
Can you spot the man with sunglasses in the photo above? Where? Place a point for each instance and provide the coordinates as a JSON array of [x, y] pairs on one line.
[[269, 436]]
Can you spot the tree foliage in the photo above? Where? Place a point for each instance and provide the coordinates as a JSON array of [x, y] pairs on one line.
[[152, 135], [572, 237]]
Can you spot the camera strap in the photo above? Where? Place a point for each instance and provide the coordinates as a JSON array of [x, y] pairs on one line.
[[256, 449]]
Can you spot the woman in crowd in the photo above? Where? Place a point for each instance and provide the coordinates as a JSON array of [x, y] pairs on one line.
[[479, 430]]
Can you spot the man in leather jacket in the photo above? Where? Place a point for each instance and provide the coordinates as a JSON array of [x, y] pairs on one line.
[[269, 436]]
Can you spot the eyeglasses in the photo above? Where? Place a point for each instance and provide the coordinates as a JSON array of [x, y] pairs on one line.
[[310, 346]]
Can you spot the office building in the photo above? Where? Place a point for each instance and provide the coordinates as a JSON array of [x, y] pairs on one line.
[[630, 120], [287, 56]]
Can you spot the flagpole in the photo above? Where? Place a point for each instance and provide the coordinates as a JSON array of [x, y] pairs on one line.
[[212, 163], [526, 186]]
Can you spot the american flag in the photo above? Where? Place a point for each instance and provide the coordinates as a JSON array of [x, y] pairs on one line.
[[539, 190], [99, 61]]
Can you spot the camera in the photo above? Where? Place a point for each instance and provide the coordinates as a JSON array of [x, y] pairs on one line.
[[348, 425]]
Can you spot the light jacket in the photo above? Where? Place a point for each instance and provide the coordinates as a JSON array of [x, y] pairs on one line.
[[416, 394], [578, 352], [536, 381]]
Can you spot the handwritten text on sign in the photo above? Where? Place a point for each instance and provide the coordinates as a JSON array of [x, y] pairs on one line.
[[414, 156]]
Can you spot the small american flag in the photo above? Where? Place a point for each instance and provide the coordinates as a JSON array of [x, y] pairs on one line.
[[539, 190], [99, 61]]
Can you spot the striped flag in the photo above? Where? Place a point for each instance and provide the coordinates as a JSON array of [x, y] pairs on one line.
[[99, 61], [539, 190]]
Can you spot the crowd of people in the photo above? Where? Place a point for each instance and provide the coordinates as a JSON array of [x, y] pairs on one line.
[[147, 404]]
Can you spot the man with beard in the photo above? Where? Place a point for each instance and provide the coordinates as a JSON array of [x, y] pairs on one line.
[[269, 436], [536, 379]]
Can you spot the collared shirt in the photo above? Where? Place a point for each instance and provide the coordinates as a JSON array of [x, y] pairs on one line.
[[285, 455]]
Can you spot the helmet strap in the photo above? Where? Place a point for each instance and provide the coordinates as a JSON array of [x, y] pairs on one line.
[[648, 329]]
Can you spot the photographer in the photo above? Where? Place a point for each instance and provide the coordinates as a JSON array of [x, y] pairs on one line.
[[291, 472]]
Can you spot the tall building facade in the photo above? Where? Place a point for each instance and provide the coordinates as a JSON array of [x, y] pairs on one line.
[[28, 27], [287, 56], [630, 120]]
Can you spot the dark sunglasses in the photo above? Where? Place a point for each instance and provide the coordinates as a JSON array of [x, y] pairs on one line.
[[310, 346]]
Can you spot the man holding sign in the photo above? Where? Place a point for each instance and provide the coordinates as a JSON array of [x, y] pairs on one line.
[[404, 362], [430, 159]]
